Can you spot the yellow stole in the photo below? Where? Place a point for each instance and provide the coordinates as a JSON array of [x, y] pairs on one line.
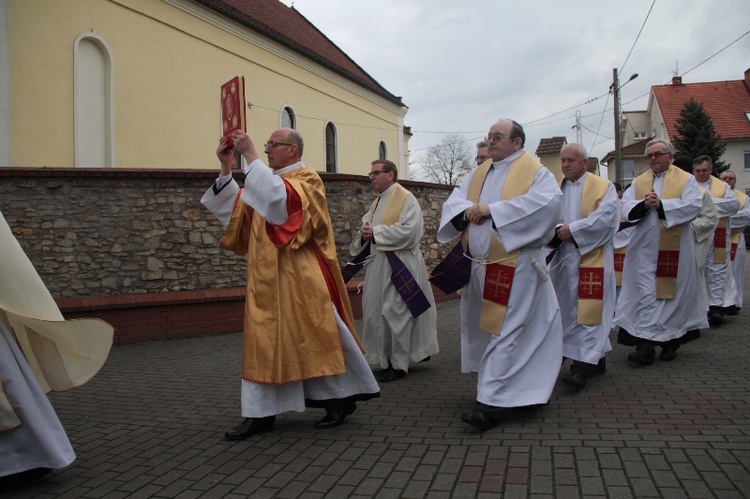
[[393, 207], [736, 232], [669, 239], [498, 277], [591, 268], [718, 190]]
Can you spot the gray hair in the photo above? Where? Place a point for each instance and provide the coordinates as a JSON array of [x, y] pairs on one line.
[[666, 143], [481, 144], [295, 138], [582, 153]]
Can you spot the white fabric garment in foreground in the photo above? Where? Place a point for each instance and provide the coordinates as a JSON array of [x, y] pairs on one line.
[[390, 332], [519, 366]]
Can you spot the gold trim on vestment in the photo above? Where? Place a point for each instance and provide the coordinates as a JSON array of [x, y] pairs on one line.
[[499, 277], [669, 239], [591, 267], [718, 190]]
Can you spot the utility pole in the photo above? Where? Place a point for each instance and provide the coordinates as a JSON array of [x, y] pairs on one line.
[[578, 127], [618, 141]]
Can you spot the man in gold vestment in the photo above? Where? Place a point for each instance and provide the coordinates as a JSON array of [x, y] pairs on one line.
[[300, 346]]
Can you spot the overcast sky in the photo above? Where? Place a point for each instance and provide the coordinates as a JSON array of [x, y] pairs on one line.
[[459, 66]]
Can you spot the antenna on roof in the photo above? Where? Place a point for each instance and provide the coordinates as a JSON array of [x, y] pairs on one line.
[[676, 71]]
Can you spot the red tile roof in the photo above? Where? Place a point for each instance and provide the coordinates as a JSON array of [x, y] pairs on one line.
[[725, 101], [285, 25], [549, 146]]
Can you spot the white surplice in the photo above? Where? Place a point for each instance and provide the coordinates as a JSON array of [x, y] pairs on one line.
[[704, 227], [519, 366], [585, 343], [265, 191], [638, 310], [390, 332], [720, 284], [739, 221]]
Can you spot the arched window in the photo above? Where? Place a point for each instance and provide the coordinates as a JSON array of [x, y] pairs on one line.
[[331, 160], [382, 152], [93, 70], [288, 119]]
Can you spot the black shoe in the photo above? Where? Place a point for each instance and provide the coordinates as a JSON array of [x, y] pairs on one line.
[[643, 356], [391, 375], [426, 359], [668, 353], [576, 379], [19, 480], [715, 316], [732, 310], [250, 427], [336, 415], [479, 420], [601, 366]]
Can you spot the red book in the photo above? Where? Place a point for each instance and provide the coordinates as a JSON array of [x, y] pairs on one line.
[[233, 107]]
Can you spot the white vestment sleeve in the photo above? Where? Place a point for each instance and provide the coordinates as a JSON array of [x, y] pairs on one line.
[[727, 205], [221, 204], [265, 192], [685, 209], [742, 218], [406, 233], [705, 224]]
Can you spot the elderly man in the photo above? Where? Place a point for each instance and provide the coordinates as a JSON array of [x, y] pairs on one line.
[[483, 153], [300, 346], [737, 224], [511, 334], [660, 302], [582, 265], [395, 332], [720, 285]]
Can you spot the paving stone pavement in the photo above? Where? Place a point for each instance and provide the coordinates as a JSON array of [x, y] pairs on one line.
[[151, 424]]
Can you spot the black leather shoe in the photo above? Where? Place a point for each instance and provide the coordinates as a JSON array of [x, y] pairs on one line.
[[668, 353], [643, 356], [336, 416], [250, 427], [576, 379], [20, 480], [479, 420], [731, 310], [391, 375], [715, 316]]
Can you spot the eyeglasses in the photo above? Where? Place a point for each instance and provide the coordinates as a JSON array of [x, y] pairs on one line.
[[273, 144], [481, 158], [375, 172], [656, 155], [496, 137]]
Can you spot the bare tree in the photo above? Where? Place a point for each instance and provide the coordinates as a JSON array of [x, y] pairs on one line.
[[449, 161]]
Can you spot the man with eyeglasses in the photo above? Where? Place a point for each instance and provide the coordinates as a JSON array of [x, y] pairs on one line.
[[720, 284], [483, 154], [395, 333], [511, 335], [660, 302], [582, 265], [300, 347], [737, 224]]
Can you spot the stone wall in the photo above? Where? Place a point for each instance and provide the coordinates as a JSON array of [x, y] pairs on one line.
[[104, 238]]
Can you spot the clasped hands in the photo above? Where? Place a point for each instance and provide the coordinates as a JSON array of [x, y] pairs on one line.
[[652, 200], [478, 213]]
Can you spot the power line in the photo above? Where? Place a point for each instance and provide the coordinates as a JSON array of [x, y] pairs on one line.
[[637, 36]]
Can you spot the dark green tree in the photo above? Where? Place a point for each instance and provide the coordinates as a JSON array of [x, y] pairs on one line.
[[697, 136]]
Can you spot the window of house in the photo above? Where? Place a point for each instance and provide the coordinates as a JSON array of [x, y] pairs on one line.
[[382, 153], [628, 169], [747, 160], [331, 160], [639, 135], [288, 119]]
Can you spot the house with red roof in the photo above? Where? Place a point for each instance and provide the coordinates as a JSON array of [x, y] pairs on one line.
[[728, 104], [136, 84]]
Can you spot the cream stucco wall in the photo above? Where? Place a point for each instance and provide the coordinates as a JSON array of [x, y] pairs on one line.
[[170, 58]]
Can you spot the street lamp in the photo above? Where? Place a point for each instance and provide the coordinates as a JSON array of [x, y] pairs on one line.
[[618, 139]]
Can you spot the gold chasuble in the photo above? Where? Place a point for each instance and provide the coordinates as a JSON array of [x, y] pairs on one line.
[[501, 265], [736, 232], [669, 239], [591, 268], [718, 190], [293, 276], [619, 254]]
